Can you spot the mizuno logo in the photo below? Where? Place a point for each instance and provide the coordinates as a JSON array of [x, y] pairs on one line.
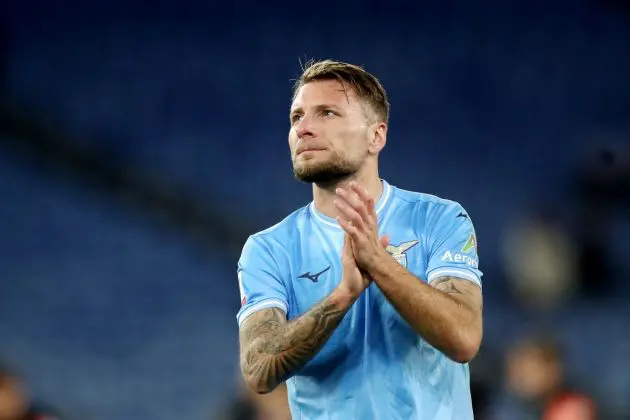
[[464, 215], [313, 277]]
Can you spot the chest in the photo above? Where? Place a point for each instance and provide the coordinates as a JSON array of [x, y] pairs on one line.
[[316, 268], [372, 322]]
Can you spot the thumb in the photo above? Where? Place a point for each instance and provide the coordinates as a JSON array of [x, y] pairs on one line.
[[384, 241]]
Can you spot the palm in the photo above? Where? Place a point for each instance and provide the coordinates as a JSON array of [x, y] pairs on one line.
[[355, 279]]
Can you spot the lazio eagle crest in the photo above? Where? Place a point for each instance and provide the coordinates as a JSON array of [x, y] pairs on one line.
[[399, 252]]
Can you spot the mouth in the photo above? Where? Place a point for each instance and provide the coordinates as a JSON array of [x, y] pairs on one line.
[[310, 149]]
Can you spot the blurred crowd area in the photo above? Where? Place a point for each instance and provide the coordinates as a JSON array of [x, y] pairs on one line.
[[140, 145]]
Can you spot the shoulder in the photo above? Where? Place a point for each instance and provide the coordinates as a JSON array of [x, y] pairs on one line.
[[271, 247], [431, 206], [286, 227], [279, 233]]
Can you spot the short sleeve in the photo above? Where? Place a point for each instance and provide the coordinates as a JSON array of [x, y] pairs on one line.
[[453, 246], [259, 280]]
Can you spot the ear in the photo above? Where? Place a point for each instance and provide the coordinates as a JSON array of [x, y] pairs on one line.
[[378, 132]]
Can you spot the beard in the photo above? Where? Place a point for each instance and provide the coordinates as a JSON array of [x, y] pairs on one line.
[[328, 172]]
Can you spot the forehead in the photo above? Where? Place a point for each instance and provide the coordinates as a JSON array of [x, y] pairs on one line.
[[328, 92]]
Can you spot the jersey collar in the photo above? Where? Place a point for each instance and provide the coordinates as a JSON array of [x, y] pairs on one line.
[[379, 206]]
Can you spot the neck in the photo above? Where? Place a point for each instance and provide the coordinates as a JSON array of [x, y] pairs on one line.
[[324, 194]]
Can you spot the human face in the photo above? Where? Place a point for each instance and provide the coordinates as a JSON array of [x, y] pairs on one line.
[[329, 136], [530, 374]]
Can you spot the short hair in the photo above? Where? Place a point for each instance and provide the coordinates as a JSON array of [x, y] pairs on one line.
[[366, 86]]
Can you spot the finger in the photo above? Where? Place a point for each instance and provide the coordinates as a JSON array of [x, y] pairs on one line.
[[349, 228], [347, 246], [349, 214], [370, 210], [354, 201], [365, 197], [360, 191], [384, 241]]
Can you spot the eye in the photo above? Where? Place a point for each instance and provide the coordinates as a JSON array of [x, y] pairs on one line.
[[295, 118], [328, 113]]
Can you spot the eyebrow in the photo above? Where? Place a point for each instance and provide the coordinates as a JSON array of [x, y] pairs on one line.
[[319, 107]]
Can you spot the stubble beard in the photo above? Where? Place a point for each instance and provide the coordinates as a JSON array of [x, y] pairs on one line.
[[326, 173]]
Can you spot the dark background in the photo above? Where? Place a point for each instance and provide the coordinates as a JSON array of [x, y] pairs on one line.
[[141, 143]]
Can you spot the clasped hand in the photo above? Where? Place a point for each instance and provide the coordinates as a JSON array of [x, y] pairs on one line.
[[358, 219]]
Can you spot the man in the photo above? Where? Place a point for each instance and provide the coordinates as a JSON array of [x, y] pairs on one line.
[[536, 386], [367, 301]]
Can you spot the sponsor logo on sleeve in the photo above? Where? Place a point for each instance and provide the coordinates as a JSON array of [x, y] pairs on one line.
[[471, 244], [456, 257]]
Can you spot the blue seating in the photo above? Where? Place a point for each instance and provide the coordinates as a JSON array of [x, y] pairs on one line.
[[493, 112]]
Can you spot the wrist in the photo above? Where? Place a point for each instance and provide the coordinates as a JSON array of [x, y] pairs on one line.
[[343, 297], [376, 263]]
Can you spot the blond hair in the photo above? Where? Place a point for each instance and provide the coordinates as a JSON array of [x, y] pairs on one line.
[[365, 85]]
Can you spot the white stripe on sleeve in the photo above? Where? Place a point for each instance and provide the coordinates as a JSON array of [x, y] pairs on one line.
[[454, 272], [263, 304]]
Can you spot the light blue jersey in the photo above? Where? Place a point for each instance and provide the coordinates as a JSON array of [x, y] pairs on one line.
[[374, 366]]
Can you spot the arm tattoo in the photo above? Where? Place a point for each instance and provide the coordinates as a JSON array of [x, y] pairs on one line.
[[447, 285], [273, 349], [461, 291]]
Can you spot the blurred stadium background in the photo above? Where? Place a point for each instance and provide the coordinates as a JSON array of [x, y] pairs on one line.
[[141, 143]]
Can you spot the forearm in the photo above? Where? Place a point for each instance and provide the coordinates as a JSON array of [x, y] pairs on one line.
[[273, 350], [440, 314]]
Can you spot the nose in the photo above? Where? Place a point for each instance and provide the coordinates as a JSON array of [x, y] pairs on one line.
[[304, 128]]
